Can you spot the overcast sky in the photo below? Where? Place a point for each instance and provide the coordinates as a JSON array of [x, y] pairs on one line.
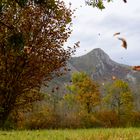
[[117, 17]]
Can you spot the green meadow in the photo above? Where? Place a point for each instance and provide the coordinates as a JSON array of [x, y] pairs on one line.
[[71, 134]]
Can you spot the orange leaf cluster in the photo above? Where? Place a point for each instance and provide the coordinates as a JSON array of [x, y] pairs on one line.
[[136, 68]]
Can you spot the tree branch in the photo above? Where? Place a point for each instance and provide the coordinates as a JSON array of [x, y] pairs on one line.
[[9, 27]]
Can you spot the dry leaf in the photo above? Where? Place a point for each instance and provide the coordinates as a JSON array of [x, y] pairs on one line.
[[113, 77], [136, 68], [125, 1], [118, 33], [27, 49], [124, 43]]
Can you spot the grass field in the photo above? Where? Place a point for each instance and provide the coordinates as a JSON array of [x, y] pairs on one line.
[[79, 134]]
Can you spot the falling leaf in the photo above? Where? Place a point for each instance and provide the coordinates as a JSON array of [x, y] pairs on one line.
[[124, 43], [57, 88], [125, 1], [52, 90], [113, 77], [136, 68], [27, 49], [77, 44], [118, 33]]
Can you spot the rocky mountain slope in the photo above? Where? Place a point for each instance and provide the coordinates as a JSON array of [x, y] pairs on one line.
[[100, 67]]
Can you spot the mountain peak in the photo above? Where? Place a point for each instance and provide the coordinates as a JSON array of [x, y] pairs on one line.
[[99, 54], [98, 63], [98, 50]]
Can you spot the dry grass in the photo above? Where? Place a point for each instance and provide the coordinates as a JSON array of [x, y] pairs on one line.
[[79, 134]]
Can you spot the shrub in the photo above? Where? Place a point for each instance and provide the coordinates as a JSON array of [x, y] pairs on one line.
[[136, 119], [108, 118], [42, 119]]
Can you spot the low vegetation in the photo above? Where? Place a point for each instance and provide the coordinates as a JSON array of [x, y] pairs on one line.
[[78, 134]]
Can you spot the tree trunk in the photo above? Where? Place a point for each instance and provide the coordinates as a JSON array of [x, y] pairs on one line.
[[88, 108], [7, 108], [4, 115]]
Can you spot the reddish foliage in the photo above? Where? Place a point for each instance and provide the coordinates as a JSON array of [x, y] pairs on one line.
[[136, 68], [32, 36]]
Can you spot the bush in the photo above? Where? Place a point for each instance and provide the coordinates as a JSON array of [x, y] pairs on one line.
[[9, 124], [70, 120], [136, 119], [108, 118], [88, 120], [43, 119]]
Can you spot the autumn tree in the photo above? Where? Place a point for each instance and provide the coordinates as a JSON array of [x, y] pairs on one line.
[[119, 98], [99, 3], [85, 90], [32, 35]]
